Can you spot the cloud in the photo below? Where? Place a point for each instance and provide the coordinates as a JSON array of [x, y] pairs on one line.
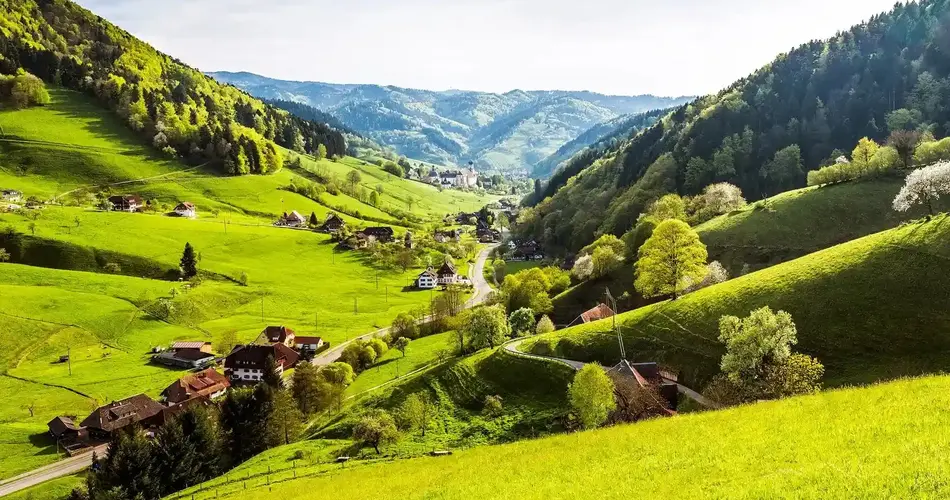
[[670, 47]]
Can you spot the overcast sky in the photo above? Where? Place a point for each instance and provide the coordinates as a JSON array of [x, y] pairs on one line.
[[665, 47]]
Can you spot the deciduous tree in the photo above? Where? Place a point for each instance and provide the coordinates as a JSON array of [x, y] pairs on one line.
[[591, 395], [670, 260], [377, 428]]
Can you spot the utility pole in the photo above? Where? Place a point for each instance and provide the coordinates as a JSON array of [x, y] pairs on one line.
[[356, 309], [387, 294], [262, 306], [316, 324], [69, 361], [612, 300]]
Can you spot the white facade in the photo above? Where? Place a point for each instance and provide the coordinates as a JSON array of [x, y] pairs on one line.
[[448, 279], [427, 281], [251, 374], [186, 210]]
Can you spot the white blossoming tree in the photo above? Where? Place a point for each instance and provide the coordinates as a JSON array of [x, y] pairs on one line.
[[924, 186], [583, 267]]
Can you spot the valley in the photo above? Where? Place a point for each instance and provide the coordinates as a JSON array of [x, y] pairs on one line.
[[223, 285]]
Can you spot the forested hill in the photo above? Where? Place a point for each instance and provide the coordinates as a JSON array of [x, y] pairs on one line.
[[172, 106], [883, 77], [510, 131]]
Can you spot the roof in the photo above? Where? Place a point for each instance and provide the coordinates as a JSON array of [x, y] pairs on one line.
[[254, 356], [125, 198], [191, 354], [187, 205], [597, 313], [294, 215], [307, 340], [59, 425], [277, 333], [203, 383], [378, 231], [428, 272], [119, 414], [447, 268], [190, 345]]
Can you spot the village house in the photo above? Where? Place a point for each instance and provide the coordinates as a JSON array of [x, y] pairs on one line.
[[279, 335], [117, 415], [207, 383], [65, 429], [333, 224], [529, 250], [293, 219], [649, 374], [186, 209], [186, 355], [596, 313], [308, 345], [447, 235], [447, 274], [125, 203], [11, 195], [380, 234], [246, 363], [427, 280]]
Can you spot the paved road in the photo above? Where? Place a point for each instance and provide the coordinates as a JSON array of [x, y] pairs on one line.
[[512, 347], [61, 468], [482, 291]]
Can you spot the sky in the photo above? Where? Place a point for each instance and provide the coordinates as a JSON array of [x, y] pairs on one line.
[[621, 47]]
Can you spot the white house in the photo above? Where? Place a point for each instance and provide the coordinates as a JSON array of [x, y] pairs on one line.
[[11, 195], [186, 209], [427, 280], [447, 274], [247, 363], [293, 219]]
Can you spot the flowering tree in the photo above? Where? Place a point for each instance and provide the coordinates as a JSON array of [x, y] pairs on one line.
[[715, 274], [924, 186], [583, 267]]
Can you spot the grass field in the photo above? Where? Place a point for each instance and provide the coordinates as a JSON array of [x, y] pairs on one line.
[[854, 443], [296, 278], [56, 488], [803, 221], [870, 309], [421, 352]]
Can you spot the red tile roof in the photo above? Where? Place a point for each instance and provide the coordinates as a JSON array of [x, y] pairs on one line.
[[597, 313], [203, 383], [189, 345]]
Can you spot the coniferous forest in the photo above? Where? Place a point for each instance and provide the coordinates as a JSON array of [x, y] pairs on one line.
[[887, 79], [172, 106]]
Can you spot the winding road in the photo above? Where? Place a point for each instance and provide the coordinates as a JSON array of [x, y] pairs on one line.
[[482, 291]]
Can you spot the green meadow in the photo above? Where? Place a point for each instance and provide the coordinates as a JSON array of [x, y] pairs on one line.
[[834, 297], [422, 352], [875, 442], [66, 300]]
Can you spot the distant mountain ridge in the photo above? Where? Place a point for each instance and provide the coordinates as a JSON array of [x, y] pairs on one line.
[[506, 132]]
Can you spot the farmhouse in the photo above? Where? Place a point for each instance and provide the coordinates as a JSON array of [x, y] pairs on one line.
[[247, 363], [207, 383], [192, 346], [333, 224], [308, 344], [427, 280], [63, 428], [447, 235], [599, 312], [529, 250], [279, 335], [186, 355], [125, 203], [447, 274], [648, 374], [119, 414], [11, 195], [380, 234], [293, 219], [186, 209]]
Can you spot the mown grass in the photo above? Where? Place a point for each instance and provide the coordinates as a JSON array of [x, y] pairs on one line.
[[421, 352], [803, 221], [870, 309], [875, 442], [54, 488]]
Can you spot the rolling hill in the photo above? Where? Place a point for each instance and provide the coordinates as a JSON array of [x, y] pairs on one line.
[[502, 132], [868, 309], [839, 444], [822, 96]]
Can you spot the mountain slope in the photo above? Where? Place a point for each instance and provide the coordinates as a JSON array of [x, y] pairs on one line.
[[822, 96], [171, 106], [841, 444], [869, 309], [510, 131]]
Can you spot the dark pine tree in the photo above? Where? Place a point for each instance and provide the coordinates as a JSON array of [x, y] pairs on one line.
[[313, 220], [189, 263], [272, 376]]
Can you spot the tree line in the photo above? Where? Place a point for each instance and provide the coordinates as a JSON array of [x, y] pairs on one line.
[[880, 80], [175, 108]]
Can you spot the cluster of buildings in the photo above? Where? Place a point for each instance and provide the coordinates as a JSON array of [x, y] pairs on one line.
[[444, 276], [134, 203], [525, 250], [460, 179], [245, 364]]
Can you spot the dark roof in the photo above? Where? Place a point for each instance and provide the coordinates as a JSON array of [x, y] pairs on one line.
[[187, 205], [203, 383], [119, 414], [447, 269], [308, 340], [192, 355], [277, 333], [379, 232], [255, 356], [126, 198], [334, 219], [60, 425]]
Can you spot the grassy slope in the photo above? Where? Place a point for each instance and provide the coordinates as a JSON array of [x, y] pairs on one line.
[[99, 316], [803, 221], [421, 352], [870, 309], [841, 444]]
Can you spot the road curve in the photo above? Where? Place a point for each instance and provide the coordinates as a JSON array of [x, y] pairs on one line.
[[54, 470], [482, 292]]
